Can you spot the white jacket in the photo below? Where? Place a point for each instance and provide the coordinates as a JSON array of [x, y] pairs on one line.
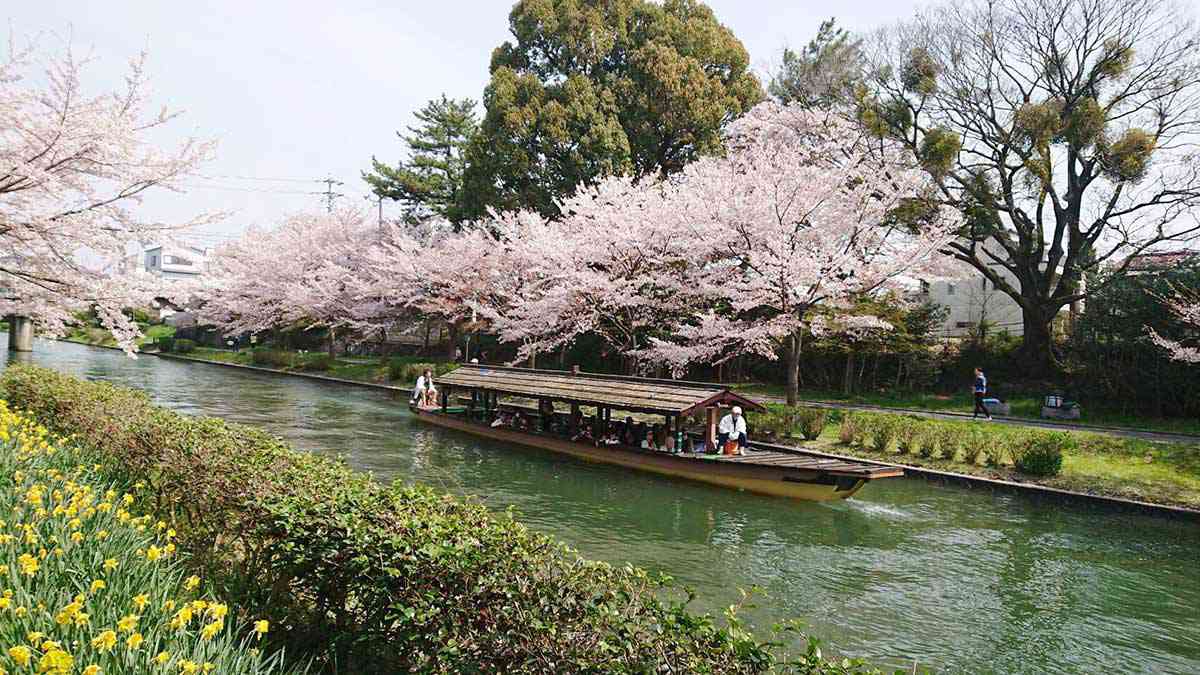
[[735, 427], [419, 390]]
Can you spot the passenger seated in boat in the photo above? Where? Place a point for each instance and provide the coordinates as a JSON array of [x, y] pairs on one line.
[[520, 422], [629, 433], [668, 444], [653, 440], [732, 428], [584, 435], [611, 438], [502, 420]]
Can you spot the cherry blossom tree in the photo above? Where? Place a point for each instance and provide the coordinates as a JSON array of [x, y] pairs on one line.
[[304, 273], [1185, 305], [607, 267], [74, 167], [803, 216]]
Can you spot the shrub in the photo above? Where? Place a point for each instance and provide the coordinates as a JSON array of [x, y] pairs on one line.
[[951, 440], [184, 346], [272, 358], [113, 565], [851, 430], [1041, 453], [930, 440], [885, 429], [910, 435], [381, 578], [404, 370], [165, 344], [812, 422], [977, 445], [315, 362]]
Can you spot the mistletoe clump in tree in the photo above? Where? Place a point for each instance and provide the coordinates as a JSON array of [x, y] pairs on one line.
[[74, 167], [1064, 130], [595, 88]]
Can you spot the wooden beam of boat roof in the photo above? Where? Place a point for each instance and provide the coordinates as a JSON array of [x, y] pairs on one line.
[[630, 395]]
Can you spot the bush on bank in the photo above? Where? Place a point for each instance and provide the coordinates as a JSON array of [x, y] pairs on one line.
[[91, 588], [1037, 453], [368, 577]]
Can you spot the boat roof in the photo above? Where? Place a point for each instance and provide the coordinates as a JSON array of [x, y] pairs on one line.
[[632, 394]]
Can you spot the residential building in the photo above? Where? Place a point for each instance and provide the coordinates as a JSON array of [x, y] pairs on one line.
[[175, 262]]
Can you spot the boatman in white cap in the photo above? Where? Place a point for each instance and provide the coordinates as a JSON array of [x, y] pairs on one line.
[[732, 428]]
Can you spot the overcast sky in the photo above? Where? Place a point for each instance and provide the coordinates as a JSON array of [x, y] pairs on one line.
[[297, 91]]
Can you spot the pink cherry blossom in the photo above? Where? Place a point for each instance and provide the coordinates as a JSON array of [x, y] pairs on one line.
[[74, 167], [1186, 308]]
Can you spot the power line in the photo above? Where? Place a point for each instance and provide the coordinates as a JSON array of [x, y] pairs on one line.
[[261, 178], [227, 188]]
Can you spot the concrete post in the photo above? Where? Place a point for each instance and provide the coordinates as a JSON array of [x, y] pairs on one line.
[[20, 334]]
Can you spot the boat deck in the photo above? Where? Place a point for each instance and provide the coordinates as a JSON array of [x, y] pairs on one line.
[[798, 460]]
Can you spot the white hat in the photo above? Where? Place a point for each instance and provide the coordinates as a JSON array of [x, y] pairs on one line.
[[737, 410]]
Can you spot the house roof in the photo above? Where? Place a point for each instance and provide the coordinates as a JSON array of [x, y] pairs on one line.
[[1145, 262], [632, 394]]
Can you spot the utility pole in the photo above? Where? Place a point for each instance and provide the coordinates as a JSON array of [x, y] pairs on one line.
[[330, 195], [379, 200]]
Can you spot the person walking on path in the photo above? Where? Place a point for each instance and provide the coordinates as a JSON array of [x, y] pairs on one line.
[[980, 389]]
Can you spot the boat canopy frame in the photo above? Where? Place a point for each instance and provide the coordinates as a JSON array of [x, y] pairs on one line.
[[673, 398]]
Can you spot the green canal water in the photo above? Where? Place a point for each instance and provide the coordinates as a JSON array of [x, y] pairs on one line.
[[955, 579]]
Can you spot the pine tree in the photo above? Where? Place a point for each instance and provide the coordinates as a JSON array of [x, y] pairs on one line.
[[429, 183]]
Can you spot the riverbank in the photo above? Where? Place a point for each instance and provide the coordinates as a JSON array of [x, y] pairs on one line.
[[1025, 410]]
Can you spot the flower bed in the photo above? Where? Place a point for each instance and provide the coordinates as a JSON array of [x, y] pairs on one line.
[[366, 577], [89, 587]]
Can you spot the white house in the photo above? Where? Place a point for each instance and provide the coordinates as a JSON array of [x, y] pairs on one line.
[[971, 300], [175, 262]]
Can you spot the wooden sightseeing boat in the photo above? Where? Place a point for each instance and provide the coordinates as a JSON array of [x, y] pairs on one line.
[[783, 472]]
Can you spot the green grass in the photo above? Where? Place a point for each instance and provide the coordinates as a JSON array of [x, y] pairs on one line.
[[101, 337], [1159, 473], [356, 368], [1026, 406]]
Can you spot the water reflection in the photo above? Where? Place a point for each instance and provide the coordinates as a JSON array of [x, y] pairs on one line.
[[957, 579]]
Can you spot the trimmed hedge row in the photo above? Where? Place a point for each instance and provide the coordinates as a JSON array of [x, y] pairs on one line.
[[1037, 453], [366, 577]]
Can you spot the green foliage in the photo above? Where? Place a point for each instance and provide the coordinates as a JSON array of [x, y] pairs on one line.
[[1085, 123], [1116, 57], [1037, 124], [1042, 453], [852, 429], [101, 553], [1110, 360], [824, 73], [939, 150], [884, 431], [378, 578], [1128, 158], [401, 369], [588, 89], [920, 72], [951, 440], [184, 346], [911, 435], [165, 344], [429, 183], [812, 422]]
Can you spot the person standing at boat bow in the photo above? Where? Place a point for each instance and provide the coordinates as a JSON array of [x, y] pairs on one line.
[[425, 394], [732, 428]]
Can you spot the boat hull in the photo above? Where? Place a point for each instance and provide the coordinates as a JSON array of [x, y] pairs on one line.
[[767, 480]]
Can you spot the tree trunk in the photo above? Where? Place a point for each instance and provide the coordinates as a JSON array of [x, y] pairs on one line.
[[332, 343], [793, 369], [1037, 344], [848, 376], [452, 344]]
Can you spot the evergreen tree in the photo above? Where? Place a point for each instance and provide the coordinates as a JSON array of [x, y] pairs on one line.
[[595, 88], [824, 73], [430, 182]]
